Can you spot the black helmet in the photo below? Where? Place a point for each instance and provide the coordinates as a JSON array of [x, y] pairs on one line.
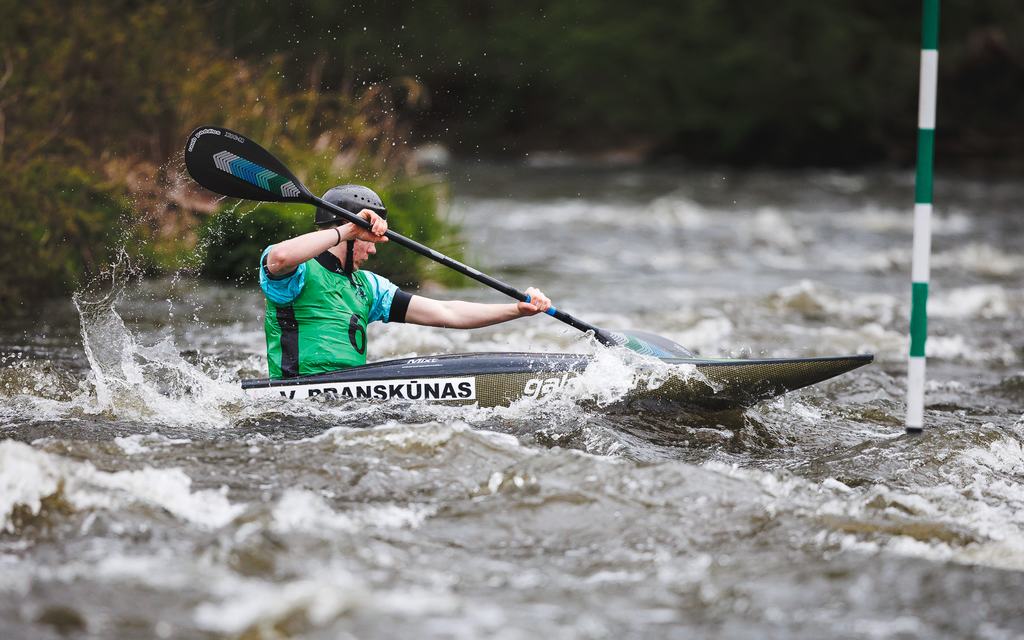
[[352, 197]]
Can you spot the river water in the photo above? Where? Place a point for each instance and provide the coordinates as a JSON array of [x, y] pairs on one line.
[[142, 495]]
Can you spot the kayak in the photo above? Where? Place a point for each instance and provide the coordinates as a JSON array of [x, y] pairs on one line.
[[230, 164], [500, 379]]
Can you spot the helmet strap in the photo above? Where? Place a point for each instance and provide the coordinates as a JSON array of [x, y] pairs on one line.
[[349, 252]]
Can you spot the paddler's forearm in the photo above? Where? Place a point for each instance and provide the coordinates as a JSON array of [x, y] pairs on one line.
[[285, 256], [457, 314]]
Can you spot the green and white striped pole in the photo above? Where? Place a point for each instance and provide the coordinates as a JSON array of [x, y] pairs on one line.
[[922, 215]]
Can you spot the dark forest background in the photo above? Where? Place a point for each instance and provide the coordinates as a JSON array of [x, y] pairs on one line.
[[96, 99], [789, 82]]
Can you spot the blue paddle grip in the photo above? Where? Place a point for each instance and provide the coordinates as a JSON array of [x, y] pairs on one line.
[[551, 310]]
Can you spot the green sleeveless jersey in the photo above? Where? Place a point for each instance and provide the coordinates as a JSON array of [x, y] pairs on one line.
[[323, 328]]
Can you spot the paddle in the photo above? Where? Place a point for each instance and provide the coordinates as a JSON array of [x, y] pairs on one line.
[[230, 164]]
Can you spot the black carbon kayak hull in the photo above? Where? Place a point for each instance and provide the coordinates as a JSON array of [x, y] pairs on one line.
[[500, 379]]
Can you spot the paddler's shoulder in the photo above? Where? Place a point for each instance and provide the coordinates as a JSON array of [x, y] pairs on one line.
[[368, 279], [381, 289]]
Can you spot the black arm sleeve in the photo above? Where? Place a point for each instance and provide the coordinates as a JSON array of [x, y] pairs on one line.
[[399, 305]]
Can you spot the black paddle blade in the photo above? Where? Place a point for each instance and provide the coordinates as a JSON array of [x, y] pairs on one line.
[[232, 165]]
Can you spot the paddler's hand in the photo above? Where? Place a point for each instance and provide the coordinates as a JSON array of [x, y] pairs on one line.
[[539, 303], [351, 232]]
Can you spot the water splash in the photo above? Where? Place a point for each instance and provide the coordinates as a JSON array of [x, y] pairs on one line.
[[134, 381], [32, 480]]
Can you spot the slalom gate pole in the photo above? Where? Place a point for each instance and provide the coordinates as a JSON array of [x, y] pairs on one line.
[[922, 215]]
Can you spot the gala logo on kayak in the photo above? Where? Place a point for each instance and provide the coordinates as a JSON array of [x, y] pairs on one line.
[[541, 387]]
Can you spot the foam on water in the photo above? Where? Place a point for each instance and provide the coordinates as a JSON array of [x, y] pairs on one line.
[[980, 301], [976, 258], [395, 436], [890, 345], [875, 322], [26, 378], [154, 383], [877, 219], [141, 383], [705, 335], [614, 373], [26, 478], [300, 510], [957, 347], [148, 383], [668, 212], [258, 605], [885, 261], [234, 604], [815, 301], [145, 443], [971, 518], [981, 259], [29, 477], [158, 571], [325, 594], [770, 227]]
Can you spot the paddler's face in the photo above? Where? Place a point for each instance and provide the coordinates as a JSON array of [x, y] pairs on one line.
[[361, 252]]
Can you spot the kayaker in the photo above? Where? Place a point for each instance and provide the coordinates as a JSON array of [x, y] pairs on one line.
[[319, 300]]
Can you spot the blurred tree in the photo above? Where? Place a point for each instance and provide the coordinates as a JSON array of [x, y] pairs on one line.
[[96, 100], [720, 80]]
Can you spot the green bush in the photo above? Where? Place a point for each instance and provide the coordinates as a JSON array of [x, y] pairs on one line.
[[232, 240], [59, 223], [85, 128]]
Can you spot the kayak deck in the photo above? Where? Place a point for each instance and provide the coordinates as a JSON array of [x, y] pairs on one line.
[[499, 379]]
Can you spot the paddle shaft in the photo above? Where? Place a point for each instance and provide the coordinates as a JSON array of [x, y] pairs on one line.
[[465, 270]]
